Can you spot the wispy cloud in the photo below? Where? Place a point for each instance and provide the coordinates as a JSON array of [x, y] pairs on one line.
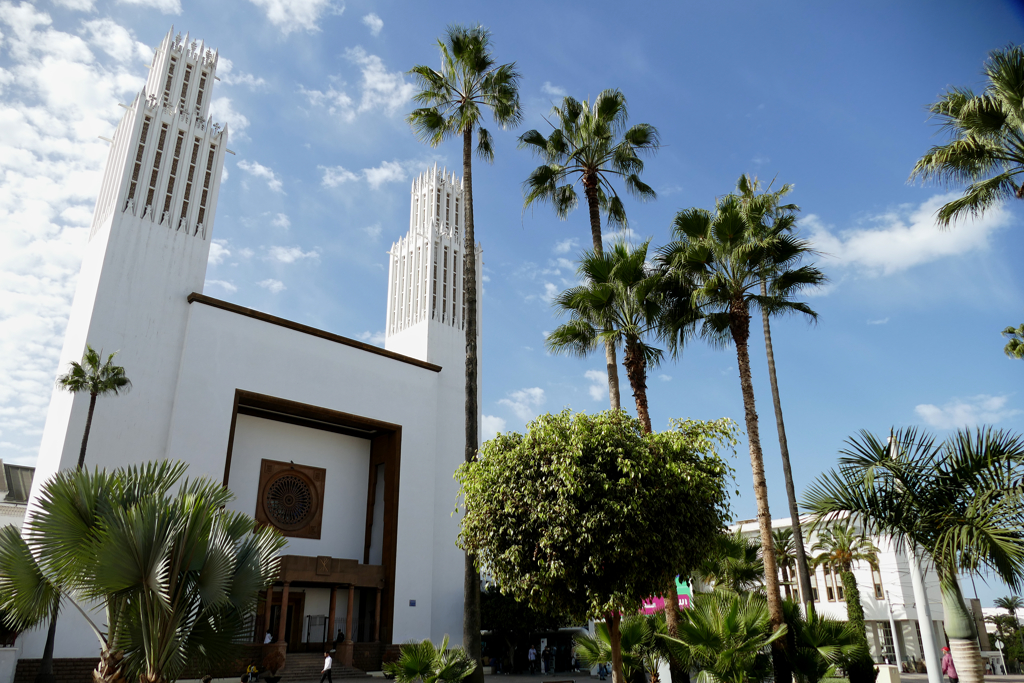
[[228, 76], [525, 403], [373, 231], [379, 89], [879, 321], [374, 23], [282, 221], [394, 171], [598, 387], [491, 425], [566, 245], [298, 15], [969, 412], [291, 254], [223, 111], [218, 252], [272, 285], [375, 338], [258, 170], [223, 284], [553, 90]]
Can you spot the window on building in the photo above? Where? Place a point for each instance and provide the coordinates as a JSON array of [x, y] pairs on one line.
[[814, 587], [876, 579], [830, 588], [887, 642], [920, 640]]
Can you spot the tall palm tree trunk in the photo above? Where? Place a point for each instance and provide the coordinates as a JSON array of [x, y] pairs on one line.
[[471, 581], [590, 187], [960, 629], [636, 371], [739, 324], [803, 574], [861, 670], [88, 428]]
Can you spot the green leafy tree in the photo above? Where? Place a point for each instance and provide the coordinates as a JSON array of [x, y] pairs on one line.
[[512, 621], [726, 259], [454, 99], [820, 645], [764, 211], [732, 563], [1015, 346], [619, 303], [986, 146], [95, 377], [840, 545], [959, 501], [1010, 603], [580, 516], [428, 664], [591, 144], [726, 635], [175, 573]]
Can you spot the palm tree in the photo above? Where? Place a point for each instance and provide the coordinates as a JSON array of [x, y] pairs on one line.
[[591, 145], [642, 653], [840, 545], [725, 635], [820, 645], [959, 501], [428, 664], [618, 304], [1011, 604], [97, 378], [986, 149], [765, 211], [785, 555], [1015, 346], [726, 260], [454, 100], [175, 573], [733, 564]]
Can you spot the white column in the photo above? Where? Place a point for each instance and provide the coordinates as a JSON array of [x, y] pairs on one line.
[[924, 618], [895, 637]]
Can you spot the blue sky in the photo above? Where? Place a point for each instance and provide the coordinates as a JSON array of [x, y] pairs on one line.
[[829, 96]]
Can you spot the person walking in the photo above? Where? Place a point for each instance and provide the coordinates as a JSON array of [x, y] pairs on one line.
[[948, 667], [326, 673], [531, 657]]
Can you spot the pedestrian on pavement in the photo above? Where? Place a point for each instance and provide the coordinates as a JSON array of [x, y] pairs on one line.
[[531, 656], [948, 667], [326, 673]]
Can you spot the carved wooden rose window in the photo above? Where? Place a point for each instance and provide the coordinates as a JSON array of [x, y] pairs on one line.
[[291, 498]]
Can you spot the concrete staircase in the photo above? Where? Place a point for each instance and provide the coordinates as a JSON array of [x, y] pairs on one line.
[[306, 666]]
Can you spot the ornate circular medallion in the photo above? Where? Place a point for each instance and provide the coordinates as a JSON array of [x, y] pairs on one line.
[[289, 500]]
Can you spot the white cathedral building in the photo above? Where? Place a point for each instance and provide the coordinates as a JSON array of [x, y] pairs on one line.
[[347, 448]]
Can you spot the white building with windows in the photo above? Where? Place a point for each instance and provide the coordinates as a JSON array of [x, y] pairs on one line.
[[347, 448], [891, 612]]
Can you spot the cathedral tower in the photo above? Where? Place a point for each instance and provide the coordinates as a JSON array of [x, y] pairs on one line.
[[147, 251], [426, 309]]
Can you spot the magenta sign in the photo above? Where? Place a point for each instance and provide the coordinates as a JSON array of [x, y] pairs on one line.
[[657, 603]]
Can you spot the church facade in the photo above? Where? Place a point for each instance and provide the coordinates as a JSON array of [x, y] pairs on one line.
[[347, 448]]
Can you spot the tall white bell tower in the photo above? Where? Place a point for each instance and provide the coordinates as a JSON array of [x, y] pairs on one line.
[[147, 251], [426, 280]]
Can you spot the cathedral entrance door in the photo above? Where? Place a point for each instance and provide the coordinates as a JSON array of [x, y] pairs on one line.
[[293, 620]]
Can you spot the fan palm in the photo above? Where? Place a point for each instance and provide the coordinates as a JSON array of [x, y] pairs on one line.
[[765, 210], [619, 304], [725, 635], [726, 259], [1015, 346], [733, 564], [175, 574], [987, 146], [959, 501], [591, 145], [642, 653], [1011, 604], [454, 100], [95, 377], [428, 664], [821, 645]]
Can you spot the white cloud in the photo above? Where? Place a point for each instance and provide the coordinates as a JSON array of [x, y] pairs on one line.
[[975, 410], [374, 22], [879, 321], [116, 41], [227, 286], [165, 6], [258, 170], [218, 252], [665, 378], [550, 291], [274, 286], [281, 221], [565, 246], [336, 175], [598, 384], [903, 238], [395, 171], [553, 90], [525, 402], [373, 231], [79, 5], [59, 91], [223, 112], [375, 338], [291, 254], [297, 15], [387, 172], [380, 89], [491, 425], [227, 75]]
